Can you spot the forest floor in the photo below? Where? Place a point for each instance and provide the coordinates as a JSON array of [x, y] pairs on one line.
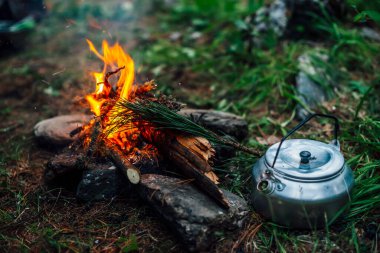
[[201, 57]]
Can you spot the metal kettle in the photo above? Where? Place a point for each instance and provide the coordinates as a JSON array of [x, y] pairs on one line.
[[302, 183]]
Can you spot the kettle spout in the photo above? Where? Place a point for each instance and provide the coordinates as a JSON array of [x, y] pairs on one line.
[[265, 186]]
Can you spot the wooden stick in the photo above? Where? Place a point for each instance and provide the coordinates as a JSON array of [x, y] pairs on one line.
[[122, 163]]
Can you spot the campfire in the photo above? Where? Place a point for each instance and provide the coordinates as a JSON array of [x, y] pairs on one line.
[[131, 123], [136, 137]]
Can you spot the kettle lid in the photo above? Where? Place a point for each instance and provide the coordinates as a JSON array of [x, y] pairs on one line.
[[305, 159]]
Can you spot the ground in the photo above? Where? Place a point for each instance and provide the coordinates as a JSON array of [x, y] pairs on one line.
[[203, 57]]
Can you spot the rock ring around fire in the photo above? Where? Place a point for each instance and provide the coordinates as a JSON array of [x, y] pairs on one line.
[[56, 131]]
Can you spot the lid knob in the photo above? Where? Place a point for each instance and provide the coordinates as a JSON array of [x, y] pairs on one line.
[[305, 159]]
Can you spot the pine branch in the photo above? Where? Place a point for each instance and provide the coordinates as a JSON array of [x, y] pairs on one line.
[[163, 118]]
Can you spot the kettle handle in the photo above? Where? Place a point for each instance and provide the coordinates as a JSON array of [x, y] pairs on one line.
[[336, 130]]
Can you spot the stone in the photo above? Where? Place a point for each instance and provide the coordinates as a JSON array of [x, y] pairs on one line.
[[291, 19], [311, 93], [175, 36], [56, 131], [64, 170], [195, 217], [102, 184], [222, 123], [270, 20], [370, 34], [69, 169]]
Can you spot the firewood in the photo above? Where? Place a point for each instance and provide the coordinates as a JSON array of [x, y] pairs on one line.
[[198, 146], [187, 146], [174, 151], [191, 155], [122, 163], [133, 175]]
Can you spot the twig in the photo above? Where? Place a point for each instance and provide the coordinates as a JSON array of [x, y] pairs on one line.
[[112, 73], [76, 131], [247, 235], [241, 147]]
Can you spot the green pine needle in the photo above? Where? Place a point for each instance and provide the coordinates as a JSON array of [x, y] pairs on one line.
[[161, 117]]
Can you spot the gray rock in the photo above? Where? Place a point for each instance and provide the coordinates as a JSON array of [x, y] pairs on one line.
[[370, 33], [291, 19], [69, 169], [56, 131], [64, 170], [270, 19], [195, 217], [219, 122], [311, 93], [175, 36], [102, 184]]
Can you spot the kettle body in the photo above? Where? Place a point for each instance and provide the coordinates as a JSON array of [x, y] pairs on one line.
[[301, 183]]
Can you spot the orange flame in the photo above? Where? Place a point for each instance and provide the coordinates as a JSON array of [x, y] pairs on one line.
[[113, 57], [95, 104]]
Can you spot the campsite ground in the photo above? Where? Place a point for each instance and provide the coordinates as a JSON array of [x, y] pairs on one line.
[[203, 57]]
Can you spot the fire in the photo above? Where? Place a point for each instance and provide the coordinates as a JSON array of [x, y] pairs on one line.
[[127, 138], [113, 57], [102, 101], [94, 104]]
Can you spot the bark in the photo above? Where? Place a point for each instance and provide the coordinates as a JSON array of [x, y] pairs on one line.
[[192, 157]]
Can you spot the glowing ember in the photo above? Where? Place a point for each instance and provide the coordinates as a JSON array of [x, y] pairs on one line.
[[102, 101]]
